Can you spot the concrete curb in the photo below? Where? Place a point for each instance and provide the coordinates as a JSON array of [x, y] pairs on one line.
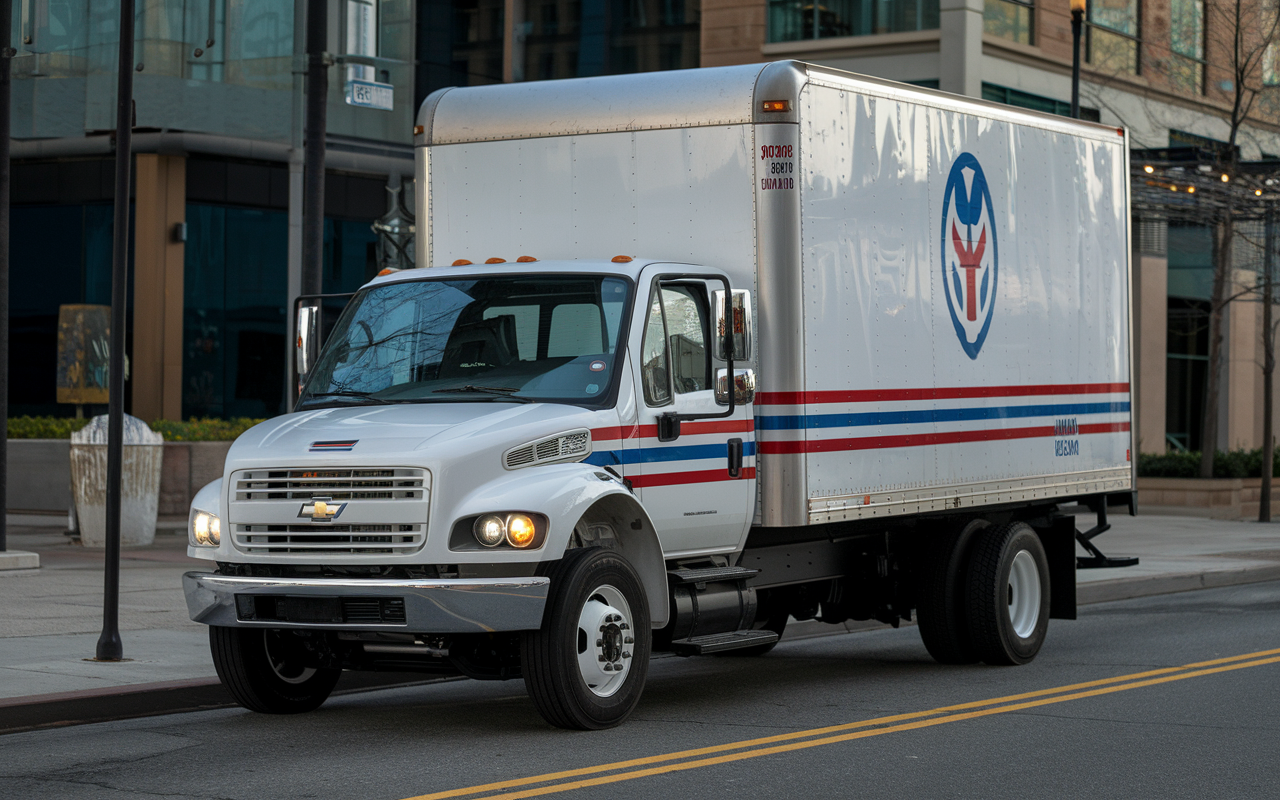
[[172, 697]]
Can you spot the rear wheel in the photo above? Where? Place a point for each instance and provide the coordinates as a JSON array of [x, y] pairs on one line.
[[940, 601], [1008, 595], [269, 671], [586, 667]]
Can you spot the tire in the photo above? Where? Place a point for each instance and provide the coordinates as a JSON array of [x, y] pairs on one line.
[[940, 597], [596, 615], [1008, 594], [777, 624], [265, 670]]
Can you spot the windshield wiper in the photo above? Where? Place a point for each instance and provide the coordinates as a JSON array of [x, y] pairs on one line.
[[499, 391], [359, 395]]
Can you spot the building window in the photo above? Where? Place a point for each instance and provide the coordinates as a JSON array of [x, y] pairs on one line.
[[1010, 19], [581, 38], [1013, 97], [796, 20], [1186, 40], [1270, 67], [1112, 40]]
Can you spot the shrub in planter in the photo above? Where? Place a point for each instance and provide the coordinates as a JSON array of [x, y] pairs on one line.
[[1232, 464]]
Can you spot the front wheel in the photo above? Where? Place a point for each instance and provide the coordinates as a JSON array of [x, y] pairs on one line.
[[269, 671], [1008, 594], [586, 667]]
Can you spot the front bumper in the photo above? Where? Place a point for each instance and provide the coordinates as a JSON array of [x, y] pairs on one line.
[[476, 605]]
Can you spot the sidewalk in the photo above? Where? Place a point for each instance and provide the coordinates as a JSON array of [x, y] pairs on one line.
[[52, 616]]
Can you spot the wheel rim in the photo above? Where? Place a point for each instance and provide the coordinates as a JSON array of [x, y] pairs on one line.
[[1024, 594], [606, 641], [285, 658]]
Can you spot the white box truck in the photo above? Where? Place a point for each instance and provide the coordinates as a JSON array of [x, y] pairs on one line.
[[687, 355]]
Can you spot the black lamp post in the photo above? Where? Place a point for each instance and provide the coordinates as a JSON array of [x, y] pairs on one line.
[[1077, 23]]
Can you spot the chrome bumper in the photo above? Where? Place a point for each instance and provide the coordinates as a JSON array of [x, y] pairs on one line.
[[477, 605]]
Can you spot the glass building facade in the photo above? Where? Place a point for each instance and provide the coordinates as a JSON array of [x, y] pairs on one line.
[[794, 20]]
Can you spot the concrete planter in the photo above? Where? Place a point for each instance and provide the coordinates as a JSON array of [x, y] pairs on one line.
[[1218, 498], [142, 463], [188, 468]]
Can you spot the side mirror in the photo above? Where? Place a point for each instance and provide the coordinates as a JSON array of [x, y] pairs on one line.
[[739, 326], [306, 341], [744, 386]]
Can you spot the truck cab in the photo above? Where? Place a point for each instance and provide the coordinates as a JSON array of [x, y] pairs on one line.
[[462, 429]]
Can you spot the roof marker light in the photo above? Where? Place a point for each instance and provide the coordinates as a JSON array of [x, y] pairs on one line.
[[462, 262], [622, 259], [387, 271], [525, 260], [418, 129], [495, 260], [776, 105]]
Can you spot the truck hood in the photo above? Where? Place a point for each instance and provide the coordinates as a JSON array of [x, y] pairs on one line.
[[400, 429]]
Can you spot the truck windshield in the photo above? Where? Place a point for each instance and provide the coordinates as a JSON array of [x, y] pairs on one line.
[[513, 338]]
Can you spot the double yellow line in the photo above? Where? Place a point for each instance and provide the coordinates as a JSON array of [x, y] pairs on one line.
[[632, 769]]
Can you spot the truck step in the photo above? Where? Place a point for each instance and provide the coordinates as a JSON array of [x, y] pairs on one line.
[[720, 642], [685, 575]]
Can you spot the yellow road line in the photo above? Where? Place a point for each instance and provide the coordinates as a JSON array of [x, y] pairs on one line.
[[938, 716]]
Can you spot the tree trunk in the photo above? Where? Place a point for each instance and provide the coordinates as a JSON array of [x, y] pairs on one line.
[[1217, 307]]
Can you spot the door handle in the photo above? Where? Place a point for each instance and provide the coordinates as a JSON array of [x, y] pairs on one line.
[[735, 458]]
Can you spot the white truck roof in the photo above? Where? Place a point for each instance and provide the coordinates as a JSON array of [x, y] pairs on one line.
[[676, 99]]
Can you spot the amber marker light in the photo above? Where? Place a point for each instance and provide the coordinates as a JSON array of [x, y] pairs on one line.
[[386, 271], [417, 130], [777, 105], [520, 530], [622, 259], [525, 260], [1148, 169], [495, 260], [462, 262]]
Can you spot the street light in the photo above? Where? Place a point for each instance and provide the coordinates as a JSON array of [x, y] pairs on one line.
[[1077, 22]]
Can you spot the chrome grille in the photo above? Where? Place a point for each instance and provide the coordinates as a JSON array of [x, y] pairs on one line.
[[375, 483], [319, 539]]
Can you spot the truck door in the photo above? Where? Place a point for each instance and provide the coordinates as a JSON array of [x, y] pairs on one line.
[[699, 488]]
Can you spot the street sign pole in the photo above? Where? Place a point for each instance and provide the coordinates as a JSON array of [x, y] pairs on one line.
[[110, 647]]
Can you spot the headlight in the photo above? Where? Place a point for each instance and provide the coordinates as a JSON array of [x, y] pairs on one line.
[[505, 529], [490, 530], [206, 530]]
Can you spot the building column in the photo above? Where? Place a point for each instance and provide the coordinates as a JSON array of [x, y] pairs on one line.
[[960, 46], [1243, 374], [1151, 334], [158, 262]]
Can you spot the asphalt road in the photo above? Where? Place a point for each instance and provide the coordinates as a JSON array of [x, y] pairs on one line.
[[1119, 704]]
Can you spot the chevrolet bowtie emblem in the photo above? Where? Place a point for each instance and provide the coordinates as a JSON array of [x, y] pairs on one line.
[[321, 509]]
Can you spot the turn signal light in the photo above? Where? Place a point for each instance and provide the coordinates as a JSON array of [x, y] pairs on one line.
[[777, 105], [520, 530]]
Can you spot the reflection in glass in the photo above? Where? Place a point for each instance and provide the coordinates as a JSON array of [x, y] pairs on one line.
[[793, 20], [1008, 19], [1112, 41], [490, 339]]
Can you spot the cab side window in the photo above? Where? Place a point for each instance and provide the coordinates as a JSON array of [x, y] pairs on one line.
[[674, 349]]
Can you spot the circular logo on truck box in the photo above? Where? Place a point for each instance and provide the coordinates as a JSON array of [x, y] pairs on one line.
[[969, 264]]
